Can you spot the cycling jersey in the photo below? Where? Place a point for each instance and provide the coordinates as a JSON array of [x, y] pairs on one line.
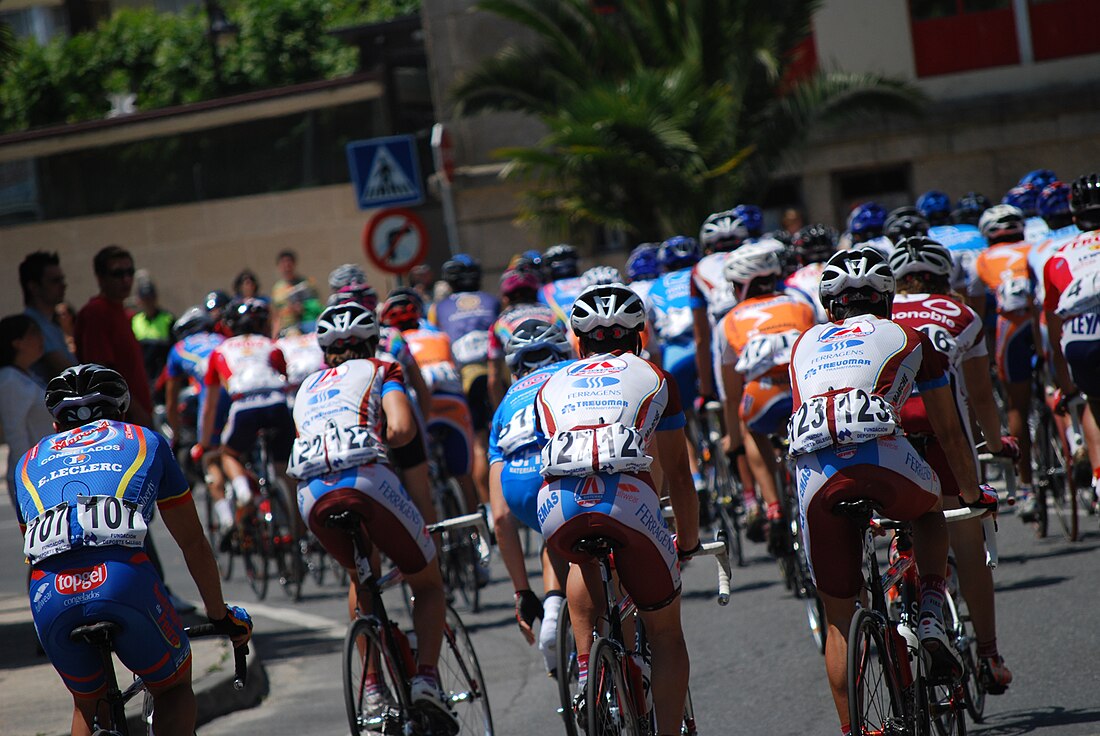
[[965, 243], [512, 441], [559, 295], [710, 288], [188, 360], [88, 495], [393, 346], [253, 370], [670, 305], [882, 244], [642, 289], [466, 318], [804, 284], [303, 356], [1036, 230], [431, 349], [1044, 251], [1070, 291], [513, 317], [1003, 270], [597, 418]]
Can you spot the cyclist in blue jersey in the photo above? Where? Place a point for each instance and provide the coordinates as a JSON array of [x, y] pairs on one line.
[[935, 206], [564, 284], [88, 494], [537, 350], [1025, 196], [865, 225], [958, 232], [643, 269]]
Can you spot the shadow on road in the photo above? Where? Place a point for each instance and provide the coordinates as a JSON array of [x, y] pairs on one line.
[[296, 643], [1075, 548], [1042, 720], [18, 642], [1039, 581]]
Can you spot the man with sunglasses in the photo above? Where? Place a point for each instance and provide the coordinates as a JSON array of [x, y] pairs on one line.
[[103, 332]]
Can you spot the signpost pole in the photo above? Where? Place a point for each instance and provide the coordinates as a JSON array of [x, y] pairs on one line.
[[443, 158]]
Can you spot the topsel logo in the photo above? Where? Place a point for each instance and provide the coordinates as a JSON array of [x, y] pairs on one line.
[[72, 582]]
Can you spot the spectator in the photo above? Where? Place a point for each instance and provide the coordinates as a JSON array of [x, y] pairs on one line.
[[103, 332], [303, 309], [152, 327], [247, 286], [43, 286], [23, 414], [792, 221], [287, 263]]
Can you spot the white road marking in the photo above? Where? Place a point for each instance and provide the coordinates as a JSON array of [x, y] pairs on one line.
[[327, 626]]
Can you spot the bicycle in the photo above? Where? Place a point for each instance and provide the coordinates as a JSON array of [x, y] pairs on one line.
[[101, 635], [795, 562], [888, 689], [722, 504], [375, 643], [616, 697], [1054, 482]]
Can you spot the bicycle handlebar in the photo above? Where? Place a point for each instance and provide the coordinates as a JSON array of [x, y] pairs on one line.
[[240, 654], [478, 521], [720, 551]]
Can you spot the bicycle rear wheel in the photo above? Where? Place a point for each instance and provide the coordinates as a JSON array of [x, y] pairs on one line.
[[958, 628], [1062, 491], [458, 557], [938, 708], [874, 703], [255, 549], [726, 500], [287, 554], [460, 675], [379, 713], [568, 687], [609, 702]]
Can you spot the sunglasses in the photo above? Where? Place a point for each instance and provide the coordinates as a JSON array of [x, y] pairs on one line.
[[121, 273]]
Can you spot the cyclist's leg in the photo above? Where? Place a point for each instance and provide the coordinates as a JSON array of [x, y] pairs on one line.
[[665, 633], [1015, 351], [1082, 357], [451, 423], [481, 416], [765, 409], [281, 432], [238, 436]]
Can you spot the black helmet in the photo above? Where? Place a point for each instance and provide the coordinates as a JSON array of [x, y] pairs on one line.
[[246, 316], [815, 243], [905, 222], [195, 319], [1084, 201], [216, 300], [561, 261], [87, 392], [968, 210], [462, 273]]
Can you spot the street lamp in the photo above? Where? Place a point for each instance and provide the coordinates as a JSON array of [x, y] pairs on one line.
[[219, 31]]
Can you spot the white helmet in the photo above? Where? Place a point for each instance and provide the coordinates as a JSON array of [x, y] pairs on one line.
[[607, 305], [850, 270], [753, 261], [723, 231], [536, 343], [1002, 221], [348, 321], [920, 254], [598, 275]]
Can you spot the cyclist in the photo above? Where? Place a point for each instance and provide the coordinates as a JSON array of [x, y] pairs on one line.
[[252, 370], [537, 350], [958, 233], [1054, 208], [924, 302], [813, 246], [757, 335], [562, 266], [968, 210], [935, 206], [86, 569], [1037, 228], [903, 222], [1025, 197], [850, 378], [519, 294], [751, 218], [865, 227], [642, 269], [348, 416], [601, 275], [466, 316], [1003, 270], [215, 303], [605, 488], [721, 233]]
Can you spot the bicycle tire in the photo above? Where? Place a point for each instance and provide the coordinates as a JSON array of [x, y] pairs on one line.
[[363, 639], [726, 501], [609, 702], [815, 618], [958, 628], [459, 556], [1044, 468], [1063, 491], [255, 556], [874, 702], [567, 675], [460, 675], [938, 709], [289, 564]]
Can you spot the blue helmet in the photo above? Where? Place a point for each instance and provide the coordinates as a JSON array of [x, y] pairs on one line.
[[678, 252], [867, 218], [642, 263], [969, 208], [1040, 179], [1025, 197], [751, 217], [934, 205], [1054, 200]]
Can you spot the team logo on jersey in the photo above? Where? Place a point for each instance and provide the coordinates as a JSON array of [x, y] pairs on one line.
[[598, 367], [332, 393], [468, 302], [590, 492], [76, 459], [78, 439], [842, 345], [595, 382], [81, 580], [535, 380], [325, 378], [837, 332]]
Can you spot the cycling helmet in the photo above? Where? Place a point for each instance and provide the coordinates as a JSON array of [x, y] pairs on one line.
[[246, 316], [723, 231], [195, 319], [678, 252], [216, 300], [348, 323], [642, 263], [462, 273], [1040, 178], [607, 306], [518, 280], [969, 208], [86, 392], [530, 261], [561, 260], [1024, 197], [920, 254], [815, 243], [905, 222], [601, 275], [935, 206], [856, 275], [346, 275], [1002, 222], [536, 343], [1084, 200], [751, 217], [360, 293], [753, 261], [401, 307], [1054, 200], [867, 220]]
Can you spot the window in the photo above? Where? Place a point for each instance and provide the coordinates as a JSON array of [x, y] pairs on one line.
[[960, 35], [1061, 28], [889, 186]]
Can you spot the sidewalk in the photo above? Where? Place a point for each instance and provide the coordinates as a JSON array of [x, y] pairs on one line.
[[35, 703]]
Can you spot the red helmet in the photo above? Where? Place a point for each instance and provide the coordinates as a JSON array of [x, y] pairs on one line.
[[401, 307], [513, 281]]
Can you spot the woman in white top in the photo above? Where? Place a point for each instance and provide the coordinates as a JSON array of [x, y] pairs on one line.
[[23, 414]]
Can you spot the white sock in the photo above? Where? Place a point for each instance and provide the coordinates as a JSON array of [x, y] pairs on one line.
[[548, 632], [242, 490], [224, 511]]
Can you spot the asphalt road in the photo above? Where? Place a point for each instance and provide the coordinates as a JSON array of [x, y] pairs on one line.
[[754, 668]]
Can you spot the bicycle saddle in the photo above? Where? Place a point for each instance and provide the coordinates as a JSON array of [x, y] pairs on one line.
[[100, 632], [858, 509], [596, 546], [346, 520]]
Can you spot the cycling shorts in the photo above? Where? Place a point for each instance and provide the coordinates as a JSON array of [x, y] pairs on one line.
[[1015, 348], [114, 584], [914, 417], [520, 480], [475, 381], [390, 518], [766, 406], [625, 509], [888, 471], [1083, 357], [679, 360], [450, 426], [245, 421]]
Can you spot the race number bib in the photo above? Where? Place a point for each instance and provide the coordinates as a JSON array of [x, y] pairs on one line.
[[473, 347], [857, 416], [943, 340], [765, 352], [108, 520], [1081, 296], [48, 533], [335, 448], [615, 448], [518, 432], [255, 378], [1014, 294]]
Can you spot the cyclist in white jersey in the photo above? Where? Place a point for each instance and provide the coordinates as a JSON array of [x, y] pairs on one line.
[[604, 418], [712, 296], [850, 378]]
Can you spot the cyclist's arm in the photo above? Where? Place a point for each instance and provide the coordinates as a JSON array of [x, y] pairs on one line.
[[735, 385], [504, 525], [182, 522], [703, 364], [672, 450], [400, 422], [939, 403], [420, 386], [1057, 357], [979, 386]]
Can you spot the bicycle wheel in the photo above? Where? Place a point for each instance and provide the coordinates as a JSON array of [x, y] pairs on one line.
[[727, 494], [874, 703], [608, 700], [382, 713], [1061, 490], [460, 675], [958, 628], [1045, 466], [568, 687], [255, 550], [286, 552], [938, 709], [458, 549]]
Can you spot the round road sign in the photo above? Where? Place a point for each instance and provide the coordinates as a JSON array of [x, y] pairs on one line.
[[395, 240]]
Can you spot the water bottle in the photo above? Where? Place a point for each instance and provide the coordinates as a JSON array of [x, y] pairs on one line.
[[902, 639]]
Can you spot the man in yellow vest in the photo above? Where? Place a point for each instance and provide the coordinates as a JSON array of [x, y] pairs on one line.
[[152, 327]]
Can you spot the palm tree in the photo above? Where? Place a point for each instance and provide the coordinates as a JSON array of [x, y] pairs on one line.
[[663, 111]]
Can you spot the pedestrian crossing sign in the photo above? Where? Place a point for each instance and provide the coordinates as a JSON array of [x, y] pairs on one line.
[[385, 172]]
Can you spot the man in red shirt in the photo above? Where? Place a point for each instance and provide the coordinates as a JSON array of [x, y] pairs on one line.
[[103, 333]]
